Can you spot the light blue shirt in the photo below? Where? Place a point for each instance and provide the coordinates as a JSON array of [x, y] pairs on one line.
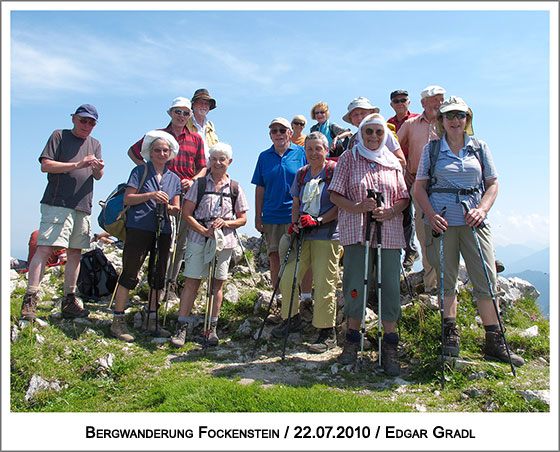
[[452, 171]]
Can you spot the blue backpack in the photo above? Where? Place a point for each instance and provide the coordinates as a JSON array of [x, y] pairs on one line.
[[112, 217]]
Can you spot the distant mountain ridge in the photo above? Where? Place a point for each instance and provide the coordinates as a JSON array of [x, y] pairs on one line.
[[530, 265]]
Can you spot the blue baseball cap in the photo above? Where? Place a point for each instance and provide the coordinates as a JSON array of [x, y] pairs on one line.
[[87, 111]]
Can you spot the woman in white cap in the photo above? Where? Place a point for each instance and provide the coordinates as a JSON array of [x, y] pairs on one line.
[[212, 215], [457, 173], [158, 194], [370, 165], [333, 132]]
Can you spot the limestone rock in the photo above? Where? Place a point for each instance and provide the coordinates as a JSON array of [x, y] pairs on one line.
[[37, 384]]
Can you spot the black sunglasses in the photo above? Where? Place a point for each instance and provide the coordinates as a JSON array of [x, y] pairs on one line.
[[454, 114], [400, 101], [378, 132], [297, 123]]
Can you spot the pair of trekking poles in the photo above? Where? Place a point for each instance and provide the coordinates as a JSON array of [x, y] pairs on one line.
[[492, 296], [154, 263], [300, 238]]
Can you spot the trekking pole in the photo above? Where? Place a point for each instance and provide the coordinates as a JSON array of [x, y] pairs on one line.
[[441, 304], [274, 291], [370, 194], [466, 209], [171, 265], [154, 265], [407, 282], [114, 293], [379, 200], [245, 255], [209, 304], [294, 284]]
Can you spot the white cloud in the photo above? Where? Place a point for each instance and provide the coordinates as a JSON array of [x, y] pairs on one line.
[[530, 228]]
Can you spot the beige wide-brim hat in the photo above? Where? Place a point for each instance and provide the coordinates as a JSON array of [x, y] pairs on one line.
[[153, 135], [359, 102], [213, 246]]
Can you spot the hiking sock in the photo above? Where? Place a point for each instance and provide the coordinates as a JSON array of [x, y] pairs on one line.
[[449, 320], [305, 296], [118, 313], [32, 290], [214, 320], [391, 338], [492, 328], [69, 290], [353, 335], [183, 319]]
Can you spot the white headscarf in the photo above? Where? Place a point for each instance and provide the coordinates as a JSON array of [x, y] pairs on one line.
[[382, 154]]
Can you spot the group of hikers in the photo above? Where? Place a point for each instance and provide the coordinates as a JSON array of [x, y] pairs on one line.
[[363, 195]]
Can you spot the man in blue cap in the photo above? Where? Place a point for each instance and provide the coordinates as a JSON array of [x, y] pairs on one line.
[[72, 160]]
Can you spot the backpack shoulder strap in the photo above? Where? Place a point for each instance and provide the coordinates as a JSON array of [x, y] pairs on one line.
[[434, 147], [301, 174], [329, 171], [234, 189], [200, 190], [478, 150]]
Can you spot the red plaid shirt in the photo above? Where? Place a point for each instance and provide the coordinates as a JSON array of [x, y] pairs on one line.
[[190, 159], [351, 179]]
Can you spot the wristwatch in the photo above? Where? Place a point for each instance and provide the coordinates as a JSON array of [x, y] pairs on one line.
[[320, 221]]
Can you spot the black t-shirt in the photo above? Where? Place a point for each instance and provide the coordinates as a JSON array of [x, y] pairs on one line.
[[73, 190]]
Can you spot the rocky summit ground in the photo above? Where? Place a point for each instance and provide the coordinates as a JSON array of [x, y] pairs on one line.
[[66, 354]]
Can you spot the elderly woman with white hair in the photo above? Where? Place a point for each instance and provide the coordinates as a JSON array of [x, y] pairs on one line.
[[213, 208], [152, 191], [370, 166]]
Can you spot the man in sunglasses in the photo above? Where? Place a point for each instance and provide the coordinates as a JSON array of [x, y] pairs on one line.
[[273, 176], [72, 160], [189, 165], [400, 103], [414, 134]]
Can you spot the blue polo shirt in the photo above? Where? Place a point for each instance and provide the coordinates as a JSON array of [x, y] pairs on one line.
[[276, 174], [143, 215]]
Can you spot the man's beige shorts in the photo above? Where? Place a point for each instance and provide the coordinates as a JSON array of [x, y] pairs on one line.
[[272, 234], [64, 227], [195, 267]]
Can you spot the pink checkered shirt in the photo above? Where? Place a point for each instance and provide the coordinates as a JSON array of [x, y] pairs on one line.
[[351, 179], [207, 209]]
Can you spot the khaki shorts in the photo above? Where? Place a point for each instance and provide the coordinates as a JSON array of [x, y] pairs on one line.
[[64, 227], [195, 267], [272, 234]]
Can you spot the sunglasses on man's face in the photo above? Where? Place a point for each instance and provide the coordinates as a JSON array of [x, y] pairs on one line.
[[182, 112], [297, 123], [400, 101], [275, 131], [89, 121], [378, 132], [454, 114]]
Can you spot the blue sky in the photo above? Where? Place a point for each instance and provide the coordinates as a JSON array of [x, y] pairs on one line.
[[262, 64]]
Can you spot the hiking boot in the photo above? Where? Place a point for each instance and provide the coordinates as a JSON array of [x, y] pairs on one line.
[[349, 353], [325, 342], [119, 329], [500, 267], [390, 359], [495, 349], [306, 309], [153, 328], [451, 341], [282, 329], [410, 258], [276, 317], [181, 333], [71, 307], [213, 338], [29, 306]]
